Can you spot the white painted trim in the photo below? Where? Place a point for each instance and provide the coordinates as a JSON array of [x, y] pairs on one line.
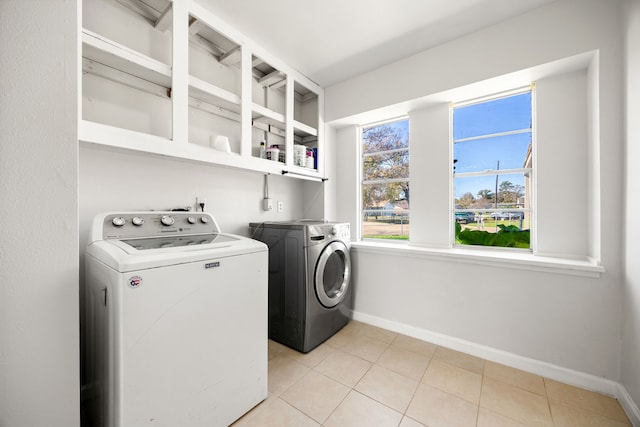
[[544, 369], [629, 406], [483, 256]]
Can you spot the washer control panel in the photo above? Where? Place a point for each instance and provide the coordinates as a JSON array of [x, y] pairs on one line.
[[148, 224], [342, 231], [329, 231]]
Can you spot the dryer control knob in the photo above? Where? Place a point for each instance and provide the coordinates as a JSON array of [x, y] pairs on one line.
[[167, 220], [204, 219], [191, 220], [334, 231], [137, 221], [118, 221]]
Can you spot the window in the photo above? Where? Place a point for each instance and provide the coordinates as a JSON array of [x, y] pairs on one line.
[[385, 180], [492, 155]]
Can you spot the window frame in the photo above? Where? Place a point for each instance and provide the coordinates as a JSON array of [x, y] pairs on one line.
[[362, 182], [531, 171]]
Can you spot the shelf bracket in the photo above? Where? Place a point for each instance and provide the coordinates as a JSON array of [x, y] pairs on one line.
[[165, 20]]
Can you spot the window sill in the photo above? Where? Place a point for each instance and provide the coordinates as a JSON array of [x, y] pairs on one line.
[[523, 261]]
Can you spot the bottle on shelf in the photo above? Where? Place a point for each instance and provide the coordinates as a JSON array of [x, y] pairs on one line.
[[273, 153], [263, 152], [310, 162]]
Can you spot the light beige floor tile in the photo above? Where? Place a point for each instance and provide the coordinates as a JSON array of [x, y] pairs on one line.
[[342, 337], [353, 326], [565, 416], [487, 418], [413, 344], [376, 333], [344, 368], [516, 377], [584, 399], [275, 349], [311, 359], [364, 347], [315, 395], [461, 360], [515, 403], [411, 365], [274, 412], [453, 380], [410, 422], [359, 410], [283, 372], [389, 388], [436, 408]]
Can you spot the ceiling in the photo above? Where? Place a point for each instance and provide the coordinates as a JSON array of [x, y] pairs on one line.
[[332, 40]]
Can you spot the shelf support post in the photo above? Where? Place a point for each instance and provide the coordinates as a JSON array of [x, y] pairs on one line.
[[290, 103], [180, 73], [245, 101]]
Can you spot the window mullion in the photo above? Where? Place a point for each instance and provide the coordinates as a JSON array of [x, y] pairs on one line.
[[493, 135], [380, 153], [491, 172], [384, 180]]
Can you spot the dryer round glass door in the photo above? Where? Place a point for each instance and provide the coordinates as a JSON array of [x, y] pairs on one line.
[[332, 274]]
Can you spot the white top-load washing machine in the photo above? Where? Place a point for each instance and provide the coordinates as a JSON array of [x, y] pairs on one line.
[[175, 330]]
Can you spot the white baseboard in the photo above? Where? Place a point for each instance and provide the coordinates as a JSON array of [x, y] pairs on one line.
[[628, 405], [544, 369]]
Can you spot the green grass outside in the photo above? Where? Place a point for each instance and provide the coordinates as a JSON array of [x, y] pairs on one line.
[[386, 236]]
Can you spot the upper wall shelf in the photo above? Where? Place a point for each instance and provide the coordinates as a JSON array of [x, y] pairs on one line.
[[205, 79], [107, 52]]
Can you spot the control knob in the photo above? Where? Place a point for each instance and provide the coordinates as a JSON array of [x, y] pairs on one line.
[[204, 219], [334, 231], [191, 220], [137, 221], [118, 221], [167, 220]]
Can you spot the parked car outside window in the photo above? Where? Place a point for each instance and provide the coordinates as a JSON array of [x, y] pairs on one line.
[[465, 217]]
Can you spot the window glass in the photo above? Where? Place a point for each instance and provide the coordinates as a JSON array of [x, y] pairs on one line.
[[493, 116], [493, 208], [385, 181], [387, 165], [501, 152]]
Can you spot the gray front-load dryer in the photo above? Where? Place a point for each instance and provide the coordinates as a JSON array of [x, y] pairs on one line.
[[310, 295]]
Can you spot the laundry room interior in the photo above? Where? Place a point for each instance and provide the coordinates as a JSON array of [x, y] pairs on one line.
[[116, 106]]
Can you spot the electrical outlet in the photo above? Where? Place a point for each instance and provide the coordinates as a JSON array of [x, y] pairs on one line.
[[280, 206]]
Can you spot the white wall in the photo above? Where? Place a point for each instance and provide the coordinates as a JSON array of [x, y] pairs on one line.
[[39, 348], [567, 321], [631, 291], [118, 180]]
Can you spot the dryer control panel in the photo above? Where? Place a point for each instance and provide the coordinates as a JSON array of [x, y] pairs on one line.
[[342, 231], [131, 225]]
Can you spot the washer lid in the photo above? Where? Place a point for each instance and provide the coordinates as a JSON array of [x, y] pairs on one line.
[[161, 242], [123, 257]]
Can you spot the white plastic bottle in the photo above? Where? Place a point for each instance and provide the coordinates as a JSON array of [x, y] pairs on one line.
[[263, 152]]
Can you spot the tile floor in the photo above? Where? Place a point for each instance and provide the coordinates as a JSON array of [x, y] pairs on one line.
[[367, 376]]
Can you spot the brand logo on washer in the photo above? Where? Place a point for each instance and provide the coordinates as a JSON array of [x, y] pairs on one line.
[[135, 281], [212, 264]]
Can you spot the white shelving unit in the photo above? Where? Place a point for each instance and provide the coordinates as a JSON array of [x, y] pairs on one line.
[[216, 82]]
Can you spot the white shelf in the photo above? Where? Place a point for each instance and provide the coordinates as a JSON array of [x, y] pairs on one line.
[[214, 95], [119, 139], [265, 115], [107, 52], [303, 131]]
